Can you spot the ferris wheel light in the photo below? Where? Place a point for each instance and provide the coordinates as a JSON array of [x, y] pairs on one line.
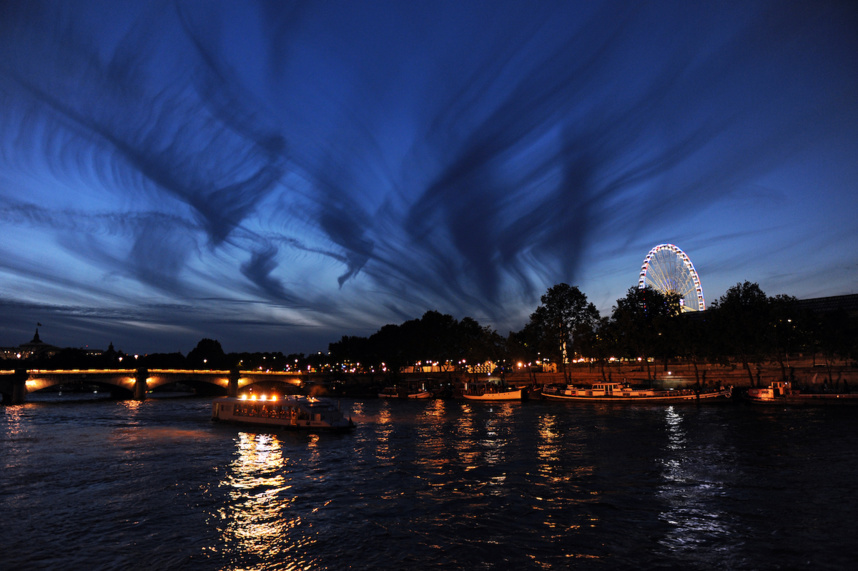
[[668, 269]]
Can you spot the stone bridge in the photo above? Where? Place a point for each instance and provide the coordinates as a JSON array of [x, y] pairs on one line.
[[15, 385]]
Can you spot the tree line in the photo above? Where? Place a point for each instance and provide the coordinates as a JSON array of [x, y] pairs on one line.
[[744, 326]]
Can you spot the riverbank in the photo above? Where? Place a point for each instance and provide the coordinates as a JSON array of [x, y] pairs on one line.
[[683, 375], [801, 373]]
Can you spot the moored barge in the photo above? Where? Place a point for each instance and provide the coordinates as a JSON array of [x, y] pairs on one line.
[[620, 392], [781, 392], [493, 391]]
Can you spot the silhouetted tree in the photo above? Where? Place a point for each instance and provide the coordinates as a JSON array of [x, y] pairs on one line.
[[163, 361], [785, 320], [690, 335], [563, 308], [641, 320], [70, 358], [595, 341], [835, 333], [352, 350], [523, 346], [208, 354], [742, 316]]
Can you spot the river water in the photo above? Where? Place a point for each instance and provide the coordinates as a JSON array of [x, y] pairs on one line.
[[429, 485]]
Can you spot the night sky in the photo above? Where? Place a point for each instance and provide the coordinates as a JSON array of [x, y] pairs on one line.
[[275, 175]]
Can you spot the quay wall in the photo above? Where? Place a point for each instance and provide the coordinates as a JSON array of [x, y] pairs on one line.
[[683, 375], [676, 376]]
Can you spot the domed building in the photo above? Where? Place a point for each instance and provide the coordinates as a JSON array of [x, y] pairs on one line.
[[34, 349]]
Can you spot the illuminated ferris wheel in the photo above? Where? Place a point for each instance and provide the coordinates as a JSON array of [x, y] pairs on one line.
[[669, 270]]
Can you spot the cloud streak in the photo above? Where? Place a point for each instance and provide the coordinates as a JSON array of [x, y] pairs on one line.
[[360, 165]]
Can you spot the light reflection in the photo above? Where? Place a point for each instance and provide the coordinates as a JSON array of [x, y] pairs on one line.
[[548, 449], [676, 435], [13, 421], [436, 408], [432, 442], [691, 490], [561, 454], [258, 521], [463, 445], [383, 451], [313, 446], [493, 444], [132, 410]]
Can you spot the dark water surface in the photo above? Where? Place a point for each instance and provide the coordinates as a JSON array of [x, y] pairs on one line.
[[431, 484]]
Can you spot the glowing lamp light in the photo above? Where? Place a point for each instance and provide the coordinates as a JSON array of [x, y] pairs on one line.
[[243, 397]]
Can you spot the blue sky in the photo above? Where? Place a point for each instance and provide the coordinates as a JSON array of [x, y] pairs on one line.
[[275, 175]]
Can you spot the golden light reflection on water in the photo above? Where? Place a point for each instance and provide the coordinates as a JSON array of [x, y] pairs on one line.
[[384, 449], [436, 408], [13, 419], [561, 455], [131, 406], [432, 442], [258, 520], [548, 449], [468, 455]]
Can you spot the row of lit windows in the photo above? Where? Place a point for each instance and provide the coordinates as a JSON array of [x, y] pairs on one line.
[[269, 411]]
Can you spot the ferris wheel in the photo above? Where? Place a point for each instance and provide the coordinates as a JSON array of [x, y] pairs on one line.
[[669, 270]]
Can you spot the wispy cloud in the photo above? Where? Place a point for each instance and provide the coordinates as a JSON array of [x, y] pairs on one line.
[[366, 163]]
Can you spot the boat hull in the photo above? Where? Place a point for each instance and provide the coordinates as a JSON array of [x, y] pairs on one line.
[[719, 396], [515, 395], [809, 400], [782, 393]]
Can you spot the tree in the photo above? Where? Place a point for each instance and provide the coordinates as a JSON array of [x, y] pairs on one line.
[[742, 318], [691, 340], [208, 354], [478, 344], [563, 308], [835, 335], [386, 346], [352, 350], [437, 337], [595, 341], [785, 318], [642, 321], [522, 346], [164, 361]]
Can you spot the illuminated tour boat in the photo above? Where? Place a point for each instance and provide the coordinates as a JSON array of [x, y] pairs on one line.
[[289, 412], [780, 392], [620, 392]]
